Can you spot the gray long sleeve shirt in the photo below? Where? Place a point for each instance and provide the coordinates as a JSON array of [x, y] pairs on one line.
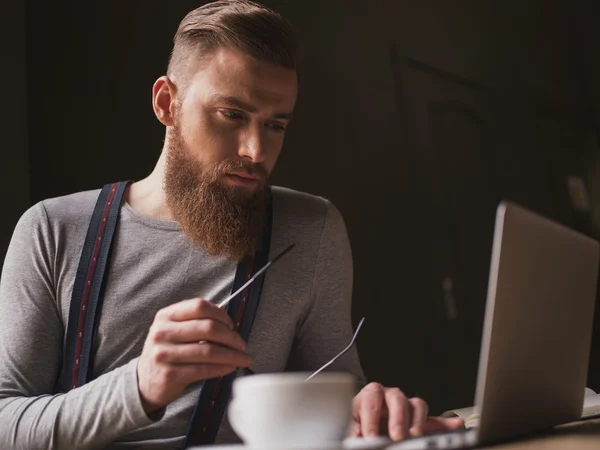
[[303, 318]]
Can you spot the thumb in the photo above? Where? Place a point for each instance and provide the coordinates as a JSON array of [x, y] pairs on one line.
[[440, 424]]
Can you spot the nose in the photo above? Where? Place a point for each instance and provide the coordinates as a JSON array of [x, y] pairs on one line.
[[252, 146]]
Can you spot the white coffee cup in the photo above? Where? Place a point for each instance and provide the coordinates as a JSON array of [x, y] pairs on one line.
[[281, 410]]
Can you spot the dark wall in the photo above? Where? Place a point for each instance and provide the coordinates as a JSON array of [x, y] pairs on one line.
[[414, 118], [14, 170], [91, 68]]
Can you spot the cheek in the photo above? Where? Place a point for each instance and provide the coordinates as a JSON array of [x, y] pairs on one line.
[[275, 143], [206, 137]]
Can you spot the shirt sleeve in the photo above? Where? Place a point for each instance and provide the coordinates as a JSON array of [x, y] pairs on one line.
[[31, 338], [327, 325]]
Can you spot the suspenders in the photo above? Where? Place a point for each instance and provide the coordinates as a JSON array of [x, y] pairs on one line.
[[86, 299], [86, 305], [215, 393]]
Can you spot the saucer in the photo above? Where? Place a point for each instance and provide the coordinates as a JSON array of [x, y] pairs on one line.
[[348, 444], [369, 443], [291, 447]]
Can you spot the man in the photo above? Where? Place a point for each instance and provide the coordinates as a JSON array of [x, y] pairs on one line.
[[226, 101]]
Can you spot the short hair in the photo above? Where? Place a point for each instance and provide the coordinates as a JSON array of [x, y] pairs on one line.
[[242, 25]]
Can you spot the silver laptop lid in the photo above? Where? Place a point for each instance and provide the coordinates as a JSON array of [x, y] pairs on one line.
[[538, 325]]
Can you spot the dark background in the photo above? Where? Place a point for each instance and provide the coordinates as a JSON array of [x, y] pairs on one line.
[[415, 118]]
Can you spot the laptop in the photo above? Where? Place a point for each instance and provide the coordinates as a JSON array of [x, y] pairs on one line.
[[537, 331]]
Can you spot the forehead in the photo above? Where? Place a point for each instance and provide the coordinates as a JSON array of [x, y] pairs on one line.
[[232, 73]]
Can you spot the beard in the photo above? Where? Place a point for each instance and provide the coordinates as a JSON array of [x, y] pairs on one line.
[[223, 220]]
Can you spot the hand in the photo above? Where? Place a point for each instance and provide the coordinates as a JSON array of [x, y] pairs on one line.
[[406, 417], [173, 356]]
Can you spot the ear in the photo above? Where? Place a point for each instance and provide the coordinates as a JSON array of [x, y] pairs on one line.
[[164, 94]]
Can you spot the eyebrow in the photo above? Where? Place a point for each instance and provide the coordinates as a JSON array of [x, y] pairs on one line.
[[237, 103]]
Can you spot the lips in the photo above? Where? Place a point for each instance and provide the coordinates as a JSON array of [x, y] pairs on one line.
[[245, 175], [243, 179]]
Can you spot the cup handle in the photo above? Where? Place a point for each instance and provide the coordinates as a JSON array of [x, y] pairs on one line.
[[235, 419]]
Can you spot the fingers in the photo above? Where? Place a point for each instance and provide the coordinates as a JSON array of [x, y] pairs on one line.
[[195, 331], [195, 308], [399, 411], [420, 411], [185, 374], [370, 407], [405, 417], [173, 356], [205, 353]]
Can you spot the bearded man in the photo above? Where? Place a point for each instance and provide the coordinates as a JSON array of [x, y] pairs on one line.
[[109, 337]]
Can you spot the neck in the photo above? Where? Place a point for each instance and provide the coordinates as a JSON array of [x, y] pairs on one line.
[[147, 197]]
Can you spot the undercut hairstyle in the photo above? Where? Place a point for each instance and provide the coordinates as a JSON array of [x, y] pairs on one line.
[[241, 25]]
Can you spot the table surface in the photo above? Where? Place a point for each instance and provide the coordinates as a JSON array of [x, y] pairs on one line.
[[582, 435]]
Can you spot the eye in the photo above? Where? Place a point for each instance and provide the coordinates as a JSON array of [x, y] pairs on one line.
[[275, 126], [232, 114]]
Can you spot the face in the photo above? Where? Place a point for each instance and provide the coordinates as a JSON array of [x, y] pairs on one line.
[[226, 134], [237, 109]]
